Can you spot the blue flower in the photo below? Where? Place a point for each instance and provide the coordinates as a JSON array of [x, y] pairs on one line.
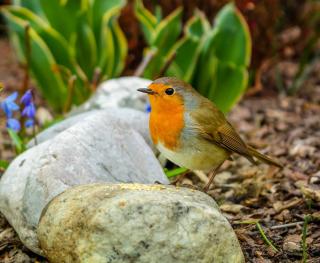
[[9, 105], [29, 123], [148, 108], [29, 111], [26, 99], [13, 124]]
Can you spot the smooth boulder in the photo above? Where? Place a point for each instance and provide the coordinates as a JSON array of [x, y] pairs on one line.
[[118, 93], [136, 223], [137, 120], [101, 148]]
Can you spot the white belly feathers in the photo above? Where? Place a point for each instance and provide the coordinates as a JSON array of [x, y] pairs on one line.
[[192, 158]]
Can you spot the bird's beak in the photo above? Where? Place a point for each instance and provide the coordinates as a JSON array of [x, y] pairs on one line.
[[148, 91]]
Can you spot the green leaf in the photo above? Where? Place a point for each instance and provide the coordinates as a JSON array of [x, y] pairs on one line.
[[188, 48], [167, 32], [71, 37], [228, 85], [85, 47], [54, 40], [42, 63], [99, 9], [148, 21], [221, 72], [197, 26], [187, 52], [33, 5], [163, 40], [205, 75], [63, 16], [17, 141], [3, 165], [120, 48], [107, 55], [232, 42], [175, 172]]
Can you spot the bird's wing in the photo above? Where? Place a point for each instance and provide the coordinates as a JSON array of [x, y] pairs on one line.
[[213, 126]]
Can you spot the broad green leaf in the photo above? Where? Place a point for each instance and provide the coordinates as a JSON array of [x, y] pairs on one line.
[[204, 77], [56, 43], [221, 73], [86, 47], [107, 55], [197, 26], [62, 16], [3, 165], [147, 21], [167, 32], [42, 64], [99, 9], [17, 141], [188, 49], [120, 48], [72, 38], [158, 13], [232, 42], [17, 45], [230, 82], [164, 38], [33, 5], [175, 172]]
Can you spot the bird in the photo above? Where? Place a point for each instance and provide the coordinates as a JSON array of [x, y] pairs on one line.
[[190, 130]]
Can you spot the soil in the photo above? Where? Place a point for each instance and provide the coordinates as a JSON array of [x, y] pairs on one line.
[[278, 201]]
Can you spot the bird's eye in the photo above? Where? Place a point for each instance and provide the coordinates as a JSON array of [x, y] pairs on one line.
[[169, 91]]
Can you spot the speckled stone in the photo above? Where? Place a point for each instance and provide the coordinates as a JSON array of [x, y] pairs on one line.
[[105, 223], [137, 120]]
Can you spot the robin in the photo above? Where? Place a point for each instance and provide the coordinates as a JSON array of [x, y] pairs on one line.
[[189, 130]]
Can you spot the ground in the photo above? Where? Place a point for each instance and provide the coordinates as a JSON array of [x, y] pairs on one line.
[[287, 128]]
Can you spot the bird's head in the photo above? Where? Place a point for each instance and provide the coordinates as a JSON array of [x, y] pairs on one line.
[[170, 94]]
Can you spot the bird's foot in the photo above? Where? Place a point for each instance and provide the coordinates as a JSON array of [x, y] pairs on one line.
[[191, 186]]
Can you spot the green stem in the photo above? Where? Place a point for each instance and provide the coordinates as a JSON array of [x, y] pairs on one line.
[[264, 237]]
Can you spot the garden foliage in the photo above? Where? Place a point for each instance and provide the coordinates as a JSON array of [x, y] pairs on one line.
[[70, 45], [68, 39]]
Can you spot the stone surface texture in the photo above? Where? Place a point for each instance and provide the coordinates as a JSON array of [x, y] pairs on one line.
[[137, 120], [136, 223], [102, 148], [120, 92]]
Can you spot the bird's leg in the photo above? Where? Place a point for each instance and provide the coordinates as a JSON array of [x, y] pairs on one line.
[[180, 177], [211, 176]]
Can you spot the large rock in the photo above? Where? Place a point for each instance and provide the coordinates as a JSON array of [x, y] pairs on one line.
[[136, 223], [139, 121], [101, 148], [120, 92]]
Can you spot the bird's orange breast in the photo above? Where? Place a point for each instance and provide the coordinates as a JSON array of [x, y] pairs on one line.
[[166, 121]]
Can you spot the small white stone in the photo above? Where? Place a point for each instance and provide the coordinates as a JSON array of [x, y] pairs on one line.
[[120, 92]]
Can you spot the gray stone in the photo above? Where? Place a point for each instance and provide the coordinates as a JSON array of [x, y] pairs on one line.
[[124, 223], [120, 92], [101, 148], [135, 119], [59, 127]]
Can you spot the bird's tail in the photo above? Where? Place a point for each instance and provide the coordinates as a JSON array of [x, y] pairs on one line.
[[264, 158]]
